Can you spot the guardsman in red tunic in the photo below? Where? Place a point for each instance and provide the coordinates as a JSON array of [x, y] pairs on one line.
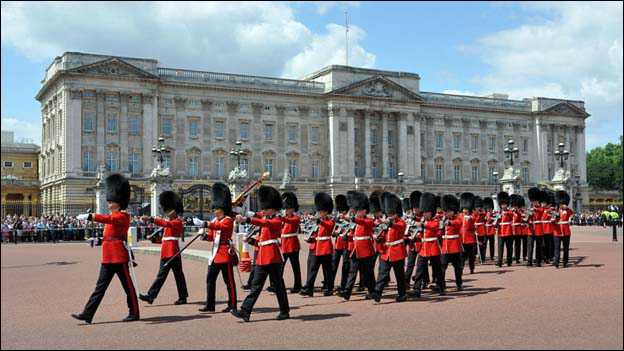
[[322, 248], [269, 259], [341, 245], [452, 239], [115, 256], [415, 242], [290, 238], [505, 235], [516, 227], [171, 203], [479, 221], [525, 228], [547, 224], [363, 251], [220, 232], [430, 251], [562, 227], [393, 252], [491, 224], [468, 230], [536, 238], [376, 205]]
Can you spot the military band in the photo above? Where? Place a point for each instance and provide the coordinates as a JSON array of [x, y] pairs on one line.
[[405, 235]]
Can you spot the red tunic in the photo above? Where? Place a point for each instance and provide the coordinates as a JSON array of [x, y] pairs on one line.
[[415, 245], [173, 230], [290, 240], [393, 248], [267, 242], [468, 229], [490, 224], [430, 235], [226, 228], [452, 239], [547, 223], [505, 224], [340, 243], [479, 222], [322, 244], [536, 221], [115, 236], [562, 226], [350, 242], [379, 246], [516, 226], [363, 244]]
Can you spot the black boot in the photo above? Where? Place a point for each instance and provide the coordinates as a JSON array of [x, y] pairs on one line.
[[131, 318], [240, 314], [82, 317], [283, 316], [146, 298], [180, 302], [206, 309]]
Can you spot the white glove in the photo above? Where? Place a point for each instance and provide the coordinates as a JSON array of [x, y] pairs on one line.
[[201, 231], [198, 222], [251, 214], [83, 217]]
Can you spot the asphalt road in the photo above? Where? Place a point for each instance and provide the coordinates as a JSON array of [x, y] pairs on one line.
[[579, 307]]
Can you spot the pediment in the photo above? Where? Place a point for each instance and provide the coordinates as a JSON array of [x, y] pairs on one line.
[[377, 87], [114, 67], [566, 109]]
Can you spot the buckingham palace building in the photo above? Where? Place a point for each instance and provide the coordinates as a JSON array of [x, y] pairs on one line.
[[330, 130]]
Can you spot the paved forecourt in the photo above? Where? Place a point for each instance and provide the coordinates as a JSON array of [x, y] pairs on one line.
[[513, 307]]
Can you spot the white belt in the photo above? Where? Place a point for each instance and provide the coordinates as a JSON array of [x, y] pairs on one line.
[[394, 243], [323, 238], [429, 239], [479, 223], [516, 224], [268, 242], [505, 223], [284, 236], [563, 222], [171, 238], [358, 238], [450, 236]]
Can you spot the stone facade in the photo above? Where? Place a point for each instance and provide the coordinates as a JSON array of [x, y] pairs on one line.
[[330, 128], [20, 178]]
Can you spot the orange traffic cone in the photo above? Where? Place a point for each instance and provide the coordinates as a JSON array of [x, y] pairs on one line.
[[245, 263]]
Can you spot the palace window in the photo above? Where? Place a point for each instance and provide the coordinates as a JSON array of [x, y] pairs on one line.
[[268, 132], [475, 143], [475, 174], [492, 143], [194, 128], [165, 126], [268, 166], [219, 129], [315, 169], [292, 134], [314, 135], [111, 122], [88, 124], [439, 173], [292, 168], [134, 163], [373, 136], [457, 173], [244, 131], [220, 166], [194, 165], [133, 124], [457, 142]]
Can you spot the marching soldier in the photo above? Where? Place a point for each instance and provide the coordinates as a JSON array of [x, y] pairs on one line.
[[536, 238], [490, 226], [341, 244], [115, 254], [222, 259], [468, 230], [562, 227], [479, 220], [171, 203], [393, 252], [430, 251], [269, 260], [363, 250], [517, 230], [415, 243], [378, 213], [322, 245], [548, 215], [452, 239], [290, 239], [505, 238]]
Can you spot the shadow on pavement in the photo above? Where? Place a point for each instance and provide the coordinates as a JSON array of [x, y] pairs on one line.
[[321, 317], [173, 319]]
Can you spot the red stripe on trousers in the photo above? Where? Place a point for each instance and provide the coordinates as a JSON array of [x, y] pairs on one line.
[[134, 300], [232, 298]]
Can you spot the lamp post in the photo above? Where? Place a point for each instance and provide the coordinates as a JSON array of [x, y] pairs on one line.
[[401, 175], [578, 196], [511, 152], [161, 151], [562, 155], [495, 177], [238, 153]]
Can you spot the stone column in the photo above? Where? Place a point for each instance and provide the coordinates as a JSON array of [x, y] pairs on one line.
[[350, 142], [417, 119], [123, 132], [404, 147], [101, 206], [100, 131], [385, 150], [160, 181], [150, 130], [367, 144], [73, 128], [334, 144], [580, 151]]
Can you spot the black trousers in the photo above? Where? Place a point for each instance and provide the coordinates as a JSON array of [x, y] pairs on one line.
[[536, 242], [566, 249], [508, 242], [614, 225], [344, 255], [436, 268], [365, 266], [411, 263], [490, 240], [253, 265], [520, 247], [483, 247], [316, 263], [274, 272], [549, 246], [469, 253], [383, 278], [227, 271], [296, 267], [458, 262], [163, 272], [107, 272]]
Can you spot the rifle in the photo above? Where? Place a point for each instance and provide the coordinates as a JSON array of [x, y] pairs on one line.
[[309, 227], [241, 197]]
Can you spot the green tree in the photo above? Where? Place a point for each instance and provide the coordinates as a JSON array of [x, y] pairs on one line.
[[604, 167]]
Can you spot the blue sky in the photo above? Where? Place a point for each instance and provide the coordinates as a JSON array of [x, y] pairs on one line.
[[561, 50]]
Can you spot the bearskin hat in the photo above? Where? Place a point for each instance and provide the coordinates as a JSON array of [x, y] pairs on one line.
[[503, 198], [118, 190], [450, 203], [428, 202], [169, 200], [477, 202], [323, 202], [289, 200], [534, 194], [375, 201], [222, 198], [562, 197], [341, 203], [407, 205], [466, 200], [360, 201], [515, 200], [415, 198], [488, 203], [392, 204], [269, 198]]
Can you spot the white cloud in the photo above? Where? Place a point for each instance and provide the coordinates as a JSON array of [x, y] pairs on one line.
[[576, 54], [260, 38], [24, 131]]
